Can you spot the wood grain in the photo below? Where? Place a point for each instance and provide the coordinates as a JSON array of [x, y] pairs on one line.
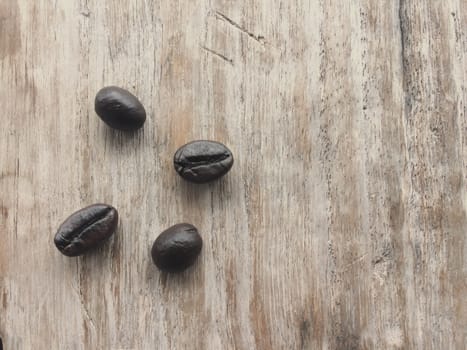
[[342, 224]]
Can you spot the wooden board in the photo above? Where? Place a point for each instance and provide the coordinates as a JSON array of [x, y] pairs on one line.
[[342, 224]]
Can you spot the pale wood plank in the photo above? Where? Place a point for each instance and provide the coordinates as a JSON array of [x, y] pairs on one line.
[[342, 224]]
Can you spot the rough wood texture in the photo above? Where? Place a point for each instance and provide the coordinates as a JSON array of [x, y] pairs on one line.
[[342, 224]]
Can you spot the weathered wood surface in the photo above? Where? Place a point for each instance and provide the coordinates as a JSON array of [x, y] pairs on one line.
[[342, 224]]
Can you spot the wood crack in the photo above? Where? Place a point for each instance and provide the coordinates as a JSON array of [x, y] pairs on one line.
[[403, 34], [80, 296], [222, 17], [86, 12], [217, 54]]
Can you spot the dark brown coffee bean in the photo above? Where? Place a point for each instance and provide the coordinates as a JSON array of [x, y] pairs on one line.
[[86, 229], [203, 161], [177, 248], [119, 109]]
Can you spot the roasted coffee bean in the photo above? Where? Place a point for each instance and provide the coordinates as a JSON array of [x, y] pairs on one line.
[[119, 109], [203, 161], [177, 248], [85, 229]]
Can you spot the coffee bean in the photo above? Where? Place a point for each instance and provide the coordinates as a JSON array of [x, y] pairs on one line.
[[86, 229], [203, 161], [177, 248], [119, 109]]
